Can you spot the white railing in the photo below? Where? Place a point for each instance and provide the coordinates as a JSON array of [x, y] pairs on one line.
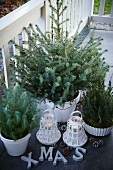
[[77, 11], [12, 25], [37, 12], [100, 17]]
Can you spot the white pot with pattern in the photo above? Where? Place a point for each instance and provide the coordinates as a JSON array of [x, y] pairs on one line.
[[97, 131]]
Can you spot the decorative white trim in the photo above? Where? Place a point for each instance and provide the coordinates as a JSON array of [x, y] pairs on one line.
[[97, 131]]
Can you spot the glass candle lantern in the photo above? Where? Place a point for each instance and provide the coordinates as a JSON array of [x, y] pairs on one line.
[[48, 133], [75, 135]]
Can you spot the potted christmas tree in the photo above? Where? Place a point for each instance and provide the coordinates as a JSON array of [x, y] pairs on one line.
[[18, 117], [98, 109], [55, 68]]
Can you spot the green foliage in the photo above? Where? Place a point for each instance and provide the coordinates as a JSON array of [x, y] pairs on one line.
[[56, 17], [107, 8], [55, 68], [17, 113], [98, 105]]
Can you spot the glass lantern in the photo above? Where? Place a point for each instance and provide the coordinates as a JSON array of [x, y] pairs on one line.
[[75, 135], [48, 133]]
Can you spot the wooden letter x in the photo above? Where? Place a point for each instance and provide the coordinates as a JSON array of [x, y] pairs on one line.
[[29, 160]]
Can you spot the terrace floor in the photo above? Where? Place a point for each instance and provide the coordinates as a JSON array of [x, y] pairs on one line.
[[107, 43], [100, 158]]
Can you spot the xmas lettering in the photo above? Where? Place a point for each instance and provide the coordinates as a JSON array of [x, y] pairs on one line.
[[49, 154]]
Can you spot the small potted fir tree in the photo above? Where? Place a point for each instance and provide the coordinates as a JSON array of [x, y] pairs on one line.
[[98, 109], [18, 117], [56, 68]]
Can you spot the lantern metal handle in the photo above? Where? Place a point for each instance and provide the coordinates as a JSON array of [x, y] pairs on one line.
[[76, 112], [50, 112]]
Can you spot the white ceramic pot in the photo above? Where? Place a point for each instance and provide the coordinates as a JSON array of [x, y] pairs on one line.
[[62, 112], [97, 131], [16, 148]]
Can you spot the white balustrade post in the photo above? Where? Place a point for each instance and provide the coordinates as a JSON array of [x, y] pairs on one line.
[[111, 14], [25, 38], [72, 15], [64, 16], [16, 40], [51, 23], [6, 63], [101, 9], [16, 51], [90, 7], [68, 15], [83, 10], [47, 16], [79, 11]]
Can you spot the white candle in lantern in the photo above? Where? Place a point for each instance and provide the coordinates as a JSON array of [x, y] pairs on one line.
[[49, 126], [74, 128]]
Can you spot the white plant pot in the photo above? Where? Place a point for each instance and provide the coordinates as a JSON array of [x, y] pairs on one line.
[[16, 148], [97, 131], [62, 113]]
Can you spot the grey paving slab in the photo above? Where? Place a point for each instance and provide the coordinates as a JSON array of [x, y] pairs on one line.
[[107, 43]]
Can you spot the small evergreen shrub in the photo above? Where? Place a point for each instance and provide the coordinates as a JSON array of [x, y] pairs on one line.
[[98, 106], [18, 113]]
